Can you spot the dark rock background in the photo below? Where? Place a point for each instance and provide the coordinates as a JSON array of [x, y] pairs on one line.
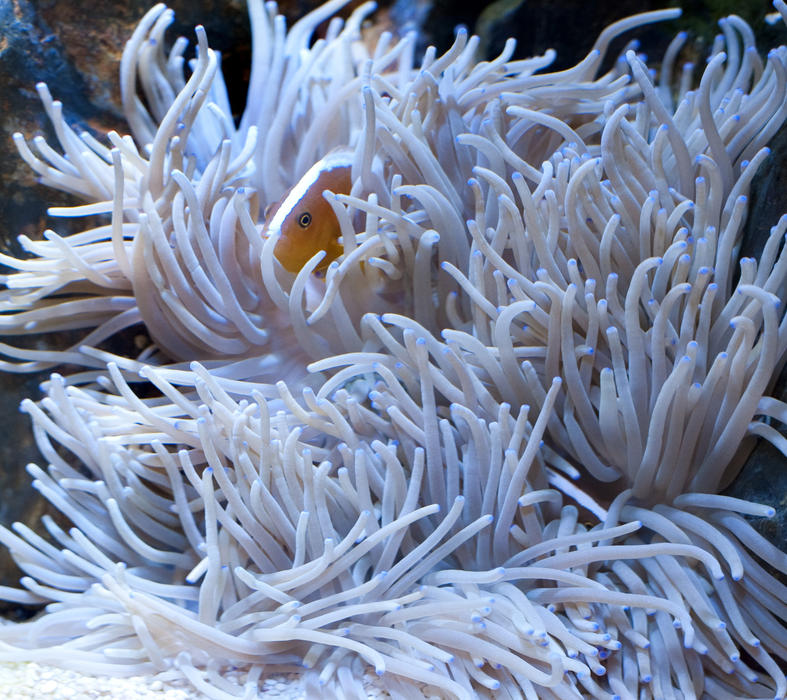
[[76, 50]]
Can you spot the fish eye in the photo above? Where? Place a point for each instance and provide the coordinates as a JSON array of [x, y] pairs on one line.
[[304, 219]]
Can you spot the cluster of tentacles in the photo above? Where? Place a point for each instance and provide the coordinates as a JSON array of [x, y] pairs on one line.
[[480, 456]]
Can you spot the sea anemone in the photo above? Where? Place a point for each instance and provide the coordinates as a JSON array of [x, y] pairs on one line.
[[475, 442]]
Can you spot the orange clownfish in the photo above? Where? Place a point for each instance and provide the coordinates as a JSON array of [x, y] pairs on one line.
[[303, 219]]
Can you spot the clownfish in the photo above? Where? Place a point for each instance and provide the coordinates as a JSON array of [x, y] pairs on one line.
[[304, 220]]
